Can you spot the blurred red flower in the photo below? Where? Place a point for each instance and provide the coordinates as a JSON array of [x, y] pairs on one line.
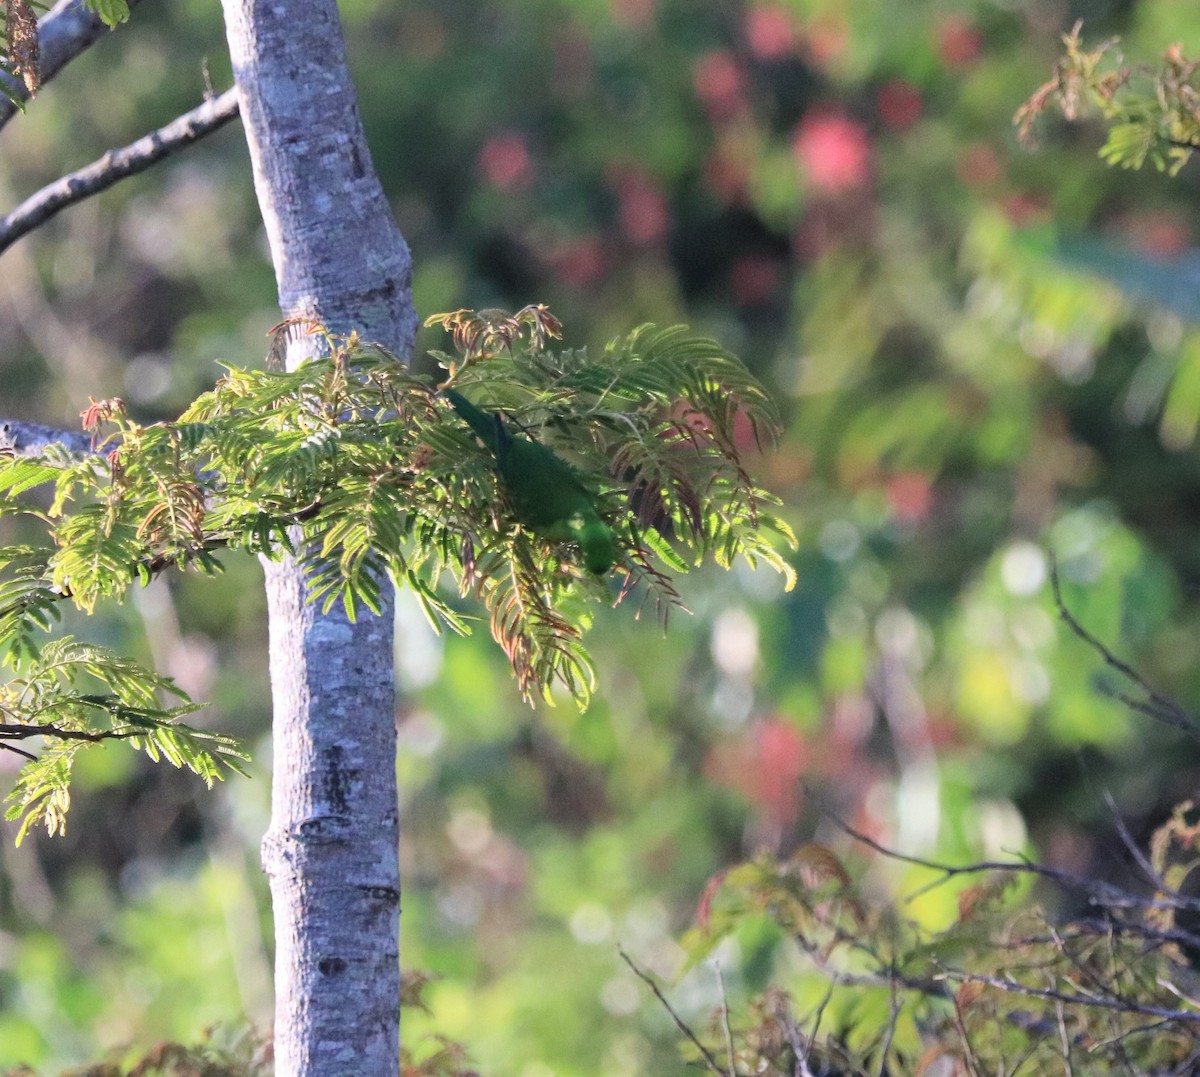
[[632, 13], [505, 162], [765, 766], [1160, 234], [834, 151], [958, 41], [580, 262], [977, 165], [642, 210], [720, 83], [826, 39], [770, 32], [752, 279], [910, 496], [899, 104], [727, 176]]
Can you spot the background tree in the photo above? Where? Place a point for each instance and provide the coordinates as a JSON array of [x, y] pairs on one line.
[[983, 351]]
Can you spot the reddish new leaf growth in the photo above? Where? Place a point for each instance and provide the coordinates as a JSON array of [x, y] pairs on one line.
[[21, 23]]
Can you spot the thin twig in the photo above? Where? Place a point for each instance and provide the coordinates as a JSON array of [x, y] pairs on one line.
[[812, 1036], [1064, 1039], [936, 985], [725, 1020], [14, 731], [1175, 990], [1131, 846], [680, 1024], [116, 165], [1119, 1004], [968, 1050], [893, 1015], [1097, 891], [1157, 706]]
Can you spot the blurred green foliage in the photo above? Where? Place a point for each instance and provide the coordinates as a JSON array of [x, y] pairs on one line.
[[983, 353]]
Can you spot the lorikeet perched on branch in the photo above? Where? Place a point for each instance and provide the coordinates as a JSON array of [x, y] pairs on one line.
[[546, 494]]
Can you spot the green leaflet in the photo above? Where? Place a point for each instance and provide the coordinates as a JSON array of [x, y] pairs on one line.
[[111, 12]]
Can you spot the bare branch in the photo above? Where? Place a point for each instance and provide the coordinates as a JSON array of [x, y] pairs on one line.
[[69, 28], [20, 438], [1131, 846], [1157, 706], [965, 1039], [803, 1050], [894, 1014], [1097, 891], [936, 986], [20, 731], [1108, 1001], [680, 1024], [116, 165]]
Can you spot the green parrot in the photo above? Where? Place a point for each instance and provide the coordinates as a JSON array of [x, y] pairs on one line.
[[546, 494]]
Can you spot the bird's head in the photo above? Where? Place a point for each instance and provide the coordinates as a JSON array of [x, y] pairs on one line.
[[598, 546]]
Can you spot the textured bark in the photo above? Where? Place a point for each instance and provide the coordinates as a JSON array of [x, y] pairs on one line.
[[331, 851]]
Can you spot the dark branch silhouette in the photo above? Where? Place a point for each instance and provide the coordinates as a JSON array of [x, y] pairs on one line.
[[1154, 704], [1096, 891]]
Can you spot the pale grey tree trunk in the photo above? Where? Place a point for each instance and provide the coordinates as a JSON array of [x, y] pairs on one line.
[[331, 851]]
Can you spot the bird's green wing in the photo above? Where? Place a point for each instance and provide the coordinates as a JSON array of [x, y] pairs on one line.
[[545, 491]]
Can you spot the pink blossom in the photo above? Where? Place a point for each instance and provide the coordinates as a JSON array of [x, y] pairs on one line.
[[505, 162], [958, 41], [826, 39], [834, 152], [752, 279], [720, 83], [910, 496], [899, 104], [641, 208], [770, 32]]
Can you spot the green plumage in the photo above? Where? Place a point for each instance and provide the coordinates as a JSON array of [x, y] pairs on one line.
[[545, 492]]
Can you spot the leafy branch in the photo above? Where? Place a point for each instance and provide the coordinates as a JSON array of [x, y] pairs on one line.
[[988, 992], [363, 470], [1152, 114], [47, 702], [1006, 984], [33, 51]]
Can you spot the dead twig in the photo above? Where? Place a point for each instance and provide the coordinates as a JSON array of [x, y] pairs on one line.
[[725, 1019], [1155, 705], [648, 980]]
